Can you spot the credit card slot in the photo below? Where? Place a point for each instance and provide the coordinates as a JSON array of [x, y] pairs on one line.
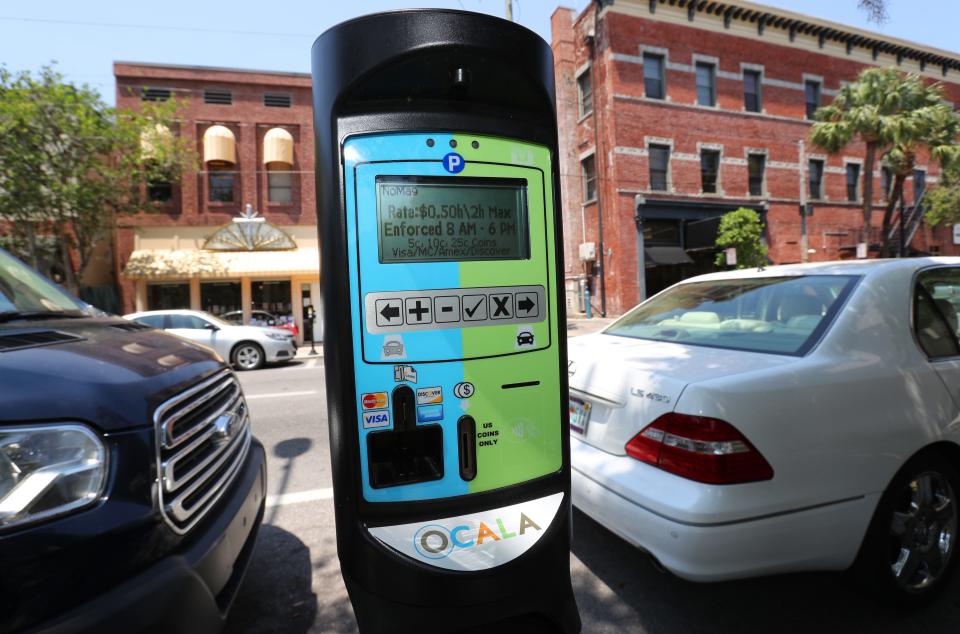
[[408, 453], [467, 441]]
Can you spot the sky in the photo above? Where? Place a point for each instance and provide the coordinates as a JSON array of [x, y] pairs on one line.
[[84, 38]]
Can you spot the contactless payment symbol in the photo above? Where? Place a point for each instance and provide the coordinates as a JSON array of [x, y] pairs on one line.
[[453, 163]]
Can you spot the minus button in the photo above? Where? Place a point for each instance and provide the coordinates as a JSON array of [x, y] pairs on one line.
[[446, 309]]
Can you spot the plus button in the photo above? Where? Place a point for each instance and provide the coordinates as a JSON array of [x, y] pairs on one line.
[[418, 310]]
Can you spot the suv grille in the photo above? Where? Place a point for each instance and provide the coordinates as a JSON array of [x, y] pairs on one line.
[[203, 436]]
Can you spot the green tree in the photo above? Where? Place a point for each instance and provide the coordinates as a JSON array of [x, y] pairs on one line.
[[895, 115], [69, 165], [741, 229], [943, 200]]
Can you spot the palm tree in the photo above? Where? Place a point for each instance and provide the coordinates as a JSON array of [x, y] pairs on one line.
[[930, 124], [884, 108]]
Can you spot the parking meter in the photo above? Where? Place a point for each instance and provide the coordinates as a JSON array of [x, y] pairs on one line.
[[439, 219]]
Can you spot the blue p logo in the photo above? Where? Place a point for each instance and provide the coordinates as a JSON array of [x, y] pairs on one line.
[[453, 163]]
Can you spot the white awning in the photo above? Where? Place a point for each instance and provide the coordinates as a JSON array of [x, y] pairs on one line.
[[278, 148], [150, 264], [219, 145]]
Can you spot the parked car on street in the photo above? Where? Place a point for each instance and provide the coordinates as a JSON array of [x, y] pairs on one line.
[[792, 418], [259, 318], [246, 347], [131, 488]]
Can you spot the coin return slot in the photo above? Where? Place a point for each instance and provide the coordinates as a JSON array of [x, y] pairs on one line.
[[467, 442], [408, 453]]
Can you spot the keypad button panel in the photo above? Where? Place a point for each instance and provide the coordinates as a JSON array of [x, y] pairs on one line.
[[445, 308]]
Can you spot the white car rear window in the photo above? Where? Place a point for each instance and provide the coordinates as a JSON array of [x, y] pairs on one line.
[[781, 315]]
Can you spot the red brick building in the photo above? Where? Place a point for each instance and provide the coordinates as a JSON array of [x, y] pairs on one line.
[[239, 234], [673, 112]]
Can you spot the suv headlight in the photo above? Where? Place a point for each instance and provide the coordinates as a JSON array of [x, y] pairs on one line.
[[48, 470], [279, 336]]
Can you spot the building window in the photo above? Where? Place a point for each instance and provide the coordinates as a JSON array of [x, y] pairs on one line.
[[919, 184], [277, 100], [279, 186], [706, 84], [588, 174], [853, 182], [659, 166], [816, 179], [584, 93], [220, 185], [661, 232], [159, 191], [653, 77], [273, 297], [751, 91], [155, 94], [218, 298], [812, 91], [756, 166], [709, 170], [168, 296], [886, 181], [218, 97]]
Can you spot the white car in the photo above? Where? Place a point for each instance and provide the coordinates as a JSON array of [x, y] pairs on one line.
[[246, 347], [788, 419]]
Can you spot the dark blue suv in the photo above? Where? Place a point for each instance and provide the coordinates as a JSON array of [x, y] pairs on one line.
[[131, 488]]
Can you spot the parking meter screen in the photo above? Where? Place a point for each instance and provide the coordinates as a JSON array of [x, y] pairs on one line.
[[440, 219]]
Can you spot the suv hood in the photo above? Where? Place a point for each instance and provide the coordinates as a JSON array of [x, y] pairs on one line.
[[629, 383], [107, 372]]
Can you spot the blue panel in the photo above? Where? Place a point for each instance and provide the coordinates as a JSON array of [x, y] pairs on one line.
[[364, 158]]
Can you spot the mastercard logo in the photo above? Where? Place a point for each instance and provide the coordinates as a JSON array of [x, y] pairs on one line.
[[374, 400]]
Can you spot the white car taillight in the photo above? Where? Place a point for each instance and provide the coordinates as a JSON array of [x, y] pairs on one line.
[[699, 448]]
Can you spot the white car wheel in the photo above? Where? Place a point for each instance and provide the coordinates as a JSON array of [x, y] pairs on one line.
[[247, 356]]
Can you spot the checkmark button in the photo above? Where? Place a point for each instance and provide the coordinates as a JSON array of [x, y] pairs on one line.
[[474, 307]]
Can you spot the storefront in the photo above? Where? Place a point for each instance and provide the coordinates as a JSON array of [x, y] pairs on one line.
[[677, 240], [248, 267]]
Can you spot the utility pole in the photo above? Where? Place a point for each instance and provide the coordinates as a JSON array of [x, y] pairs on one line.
[[804, 244], [509, 9]]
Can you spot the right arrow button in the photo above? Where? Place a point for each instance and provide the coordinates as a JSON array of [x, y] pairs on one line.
[[527, 305]]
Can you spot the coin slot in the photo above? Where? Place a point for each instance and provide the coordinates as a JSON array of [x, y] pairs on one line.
[[467, 441]]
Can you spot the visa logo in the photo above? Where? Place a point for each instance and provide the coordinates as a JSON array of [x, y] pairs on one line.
[[379, 418]]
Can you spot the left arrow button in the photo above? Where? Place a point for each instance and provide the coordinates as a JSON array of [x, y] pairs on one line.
[[388, 312]]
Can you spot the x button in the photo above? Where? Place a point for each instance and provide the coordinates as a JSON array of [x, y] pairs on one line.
[[502, 306]]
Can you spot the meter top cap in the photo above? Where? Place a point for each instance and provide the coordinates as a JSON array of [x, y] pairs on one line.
[[431, 61]]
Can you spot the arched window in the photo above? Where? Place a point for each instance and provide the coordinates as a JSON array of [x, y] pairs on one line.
[[220, 158], [152, 140], [278, 160]]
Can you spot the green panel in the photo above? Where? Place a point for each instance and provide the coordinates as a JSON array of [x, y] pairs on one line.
[[524, 424]]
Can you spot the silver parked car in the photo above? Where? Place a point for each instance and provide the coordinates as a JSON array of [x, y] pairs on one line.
[[246, 347]]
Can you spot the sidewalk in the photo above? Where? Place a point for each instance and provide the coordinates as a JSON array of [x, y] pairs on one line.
[[303, 352]]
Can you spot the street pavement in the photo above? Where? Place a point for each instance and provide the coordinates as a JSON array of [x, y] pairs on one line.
[[294, 583]]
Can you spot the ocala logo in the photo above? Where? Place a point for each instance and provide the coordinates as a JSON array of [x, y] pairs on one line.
[[435, 541]]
